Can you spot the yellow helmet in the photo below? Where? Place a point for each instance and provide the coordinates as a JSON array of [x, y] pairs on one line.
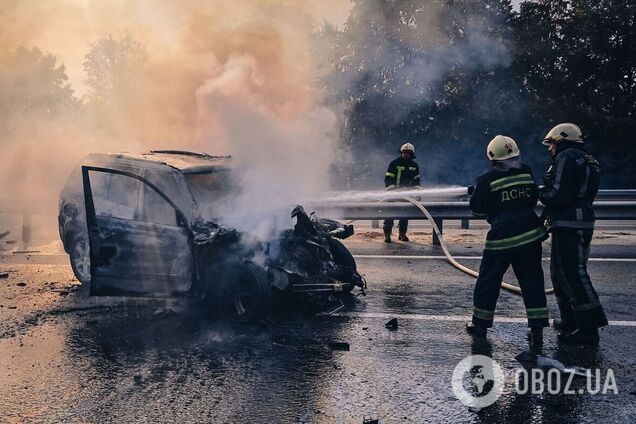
[[407, 147], [565, 131], [502, 148]]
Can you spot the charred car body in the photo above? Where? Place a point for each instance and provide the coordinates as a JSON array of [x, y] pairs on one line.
[[132, 225]]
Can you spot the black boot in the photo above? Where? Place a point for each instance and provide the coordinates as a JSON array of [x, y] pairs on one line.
[[387, 234], [535, 337], [476, 330], [588, 337], [402, 236], [563, 326]]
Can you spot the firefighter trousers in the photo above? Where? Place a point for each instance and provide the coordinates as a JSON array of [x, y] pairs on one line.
[[578, 302], [526, 264], [403, 224]]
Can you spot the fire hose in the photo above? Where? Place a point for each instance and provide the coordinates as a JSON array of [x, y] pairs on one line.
[[506, 286]]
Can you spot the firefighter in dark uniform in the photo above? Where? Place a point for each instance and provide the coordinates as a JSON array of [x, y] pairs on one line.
[[571, 185], [506, 196], [403, 172]]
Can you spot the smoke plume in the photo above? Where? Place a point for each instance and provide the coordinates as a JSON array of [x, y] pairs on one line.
[[220, 77]]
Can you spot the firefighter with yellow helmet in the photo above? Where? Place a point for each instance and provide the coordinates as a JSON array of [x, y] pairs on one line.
[[506, 196], [402, 172]]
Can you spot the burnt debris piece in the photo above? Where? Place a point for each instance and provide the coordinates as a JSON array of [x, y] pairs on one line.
[[339, 346], [392, 324]]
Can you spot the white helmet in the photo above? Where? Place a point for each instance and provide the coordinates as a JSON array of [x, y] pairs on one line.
[[566, 131], [407, 147], [502, 148]]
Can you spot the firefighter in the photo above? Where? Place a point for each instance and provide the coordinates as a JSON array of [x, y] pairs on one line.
[[402, 172], [570, 187], [506, 196]]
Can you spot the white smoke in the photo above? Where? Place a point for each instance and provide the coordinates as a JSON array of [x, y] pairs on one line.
[[278, 160]]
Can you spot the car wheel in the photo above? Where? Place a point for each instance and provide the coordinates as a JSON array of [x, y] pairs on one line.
[[252, 293], [80, 256], [343, 257]]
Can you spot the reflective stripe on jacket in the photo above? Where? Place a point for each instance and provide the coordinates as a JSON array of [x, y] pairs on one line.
[[506, 197], [402, 173]]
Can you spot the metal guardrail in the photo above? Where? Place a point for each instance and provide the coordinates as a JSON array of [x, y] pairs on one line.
[[27, 208], [611, 205], [604, 210], [622, 194]]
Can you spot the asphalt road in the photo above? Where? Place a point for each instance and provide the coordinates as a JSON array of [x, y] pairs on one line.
[[68, 358]]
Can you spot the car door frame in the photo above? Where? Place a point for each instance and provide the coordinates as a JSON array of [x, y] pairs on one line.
[[91, 222]]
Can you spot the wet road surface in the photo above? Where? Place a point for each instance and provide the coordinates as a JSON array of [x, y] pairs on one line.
[[72, 359]]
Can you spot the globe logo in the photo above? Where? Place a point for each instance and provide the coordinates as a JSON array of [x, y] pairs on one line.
[[478, 381]]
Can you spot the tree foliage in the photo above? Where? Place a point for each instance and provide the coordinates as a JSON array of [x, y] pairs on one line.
[[115, 68], [448, 75], [32, 85]]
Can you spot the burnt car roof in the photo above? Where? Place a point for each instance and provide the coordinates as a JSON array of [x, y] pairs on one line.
[[184, 161]]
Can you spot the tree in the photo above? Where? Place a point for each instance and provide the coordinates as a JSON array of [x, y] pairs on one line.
[[448, 75], [115, 68], [577, 62], [32, 85], [408, 70]]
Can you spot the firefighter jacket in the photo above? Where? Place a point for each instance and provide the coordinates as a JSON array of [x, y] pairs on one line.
[[571, 184], [402, 173], [506, 196]]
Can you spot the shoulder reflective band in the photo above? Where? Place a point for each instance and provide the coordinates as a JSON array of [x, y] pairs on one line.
[[513, 180], [483, 314], [390, 174], [534, 313], [520, 240]]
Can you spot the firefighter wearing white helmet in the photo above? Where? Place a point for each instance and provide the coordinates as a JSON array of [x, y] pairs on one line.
[[566, 131], [506, 196], [407, 147], [502, 148], [402, 172], [570, 186]]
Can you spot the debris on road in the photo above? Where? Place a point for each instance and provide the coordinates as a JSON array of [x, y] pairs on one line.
[[338, 346], [548, 363], [4, 275], [18, 252], [4, 234], [366, 420], [12, 307], [21, 284], [392, 324]]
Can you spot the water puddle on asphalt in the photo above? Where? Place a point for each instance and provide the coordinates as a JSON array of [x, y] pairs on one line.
[[128, 364]]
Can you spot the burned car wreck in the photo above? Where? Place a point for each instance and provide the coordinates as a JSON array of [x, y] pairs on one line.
[[132, 226]]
